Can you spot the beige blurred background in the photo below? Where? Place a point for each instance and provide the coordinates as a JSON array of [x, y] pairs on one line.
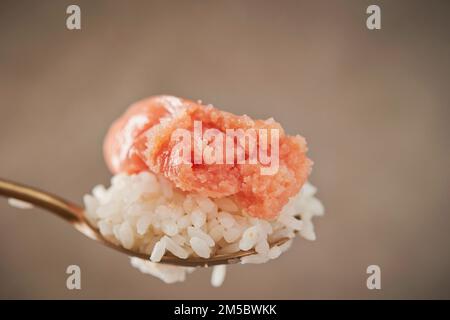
[[373, 105]]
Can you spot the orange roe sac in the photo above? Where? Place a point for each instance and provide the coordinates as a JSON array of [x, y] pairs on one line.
[[142, 139], [126, 138]]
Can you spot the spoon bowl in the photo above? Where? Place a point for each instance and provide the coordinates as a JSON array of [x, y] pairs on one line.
[[74, 214]]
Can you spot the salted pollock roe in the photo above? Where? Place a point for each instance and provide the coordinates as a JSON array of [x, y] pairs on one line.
[[141, 140]]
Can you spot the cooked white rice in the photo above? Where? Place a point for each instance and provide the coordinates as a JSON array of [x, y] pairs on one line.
[[20, 204], [144, 213]]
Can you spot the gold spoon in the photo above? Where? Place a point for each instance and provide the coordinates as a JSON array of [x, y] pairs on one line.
[[74, 214]]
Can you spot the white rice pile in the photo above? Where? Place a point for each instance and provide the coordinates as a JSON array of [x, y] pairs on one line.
[[144, 213]]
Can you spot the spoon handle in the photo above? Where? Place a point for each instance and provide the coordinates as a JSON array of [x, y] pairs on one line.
[[63, 208]]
